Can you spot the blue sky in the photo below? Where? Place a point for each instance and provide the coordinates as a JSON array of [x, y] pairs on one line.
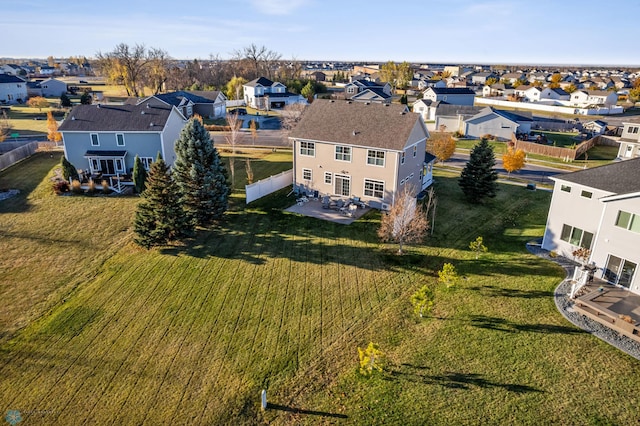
[[449, 31]]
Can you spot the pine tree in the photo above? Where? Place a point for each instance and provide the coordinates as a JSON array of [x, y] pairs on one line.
[[478, 178], [159, 217], [69, 172], [200, 175], [139, 175], [65, 101]]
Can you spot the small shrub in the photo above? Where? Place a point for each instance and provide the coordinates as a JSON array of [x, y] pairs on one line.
[[371, 359], [458, 134], [92, 187], [448, 275], [60, 187], [105, 187], [76, 187], [553, 254], [487, 137]]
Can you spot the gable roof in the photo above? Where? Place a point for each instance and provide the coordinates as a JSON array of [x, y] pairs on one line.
[[376, 125], [211, 95], [371, 93], [175, 98], [263, 81], [560, 91], [149, 115], [619, 178], [8, 78], [452, 91]]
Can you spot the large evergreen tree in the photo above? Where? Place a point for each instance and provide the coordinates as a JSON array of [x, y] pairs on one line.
[[200, 175], [478, 178], [69, 172], [159, 216], [139, 175]]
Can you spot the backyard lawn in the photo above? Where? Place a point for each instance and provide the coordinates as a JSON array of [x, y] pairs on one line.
[[96, 330]]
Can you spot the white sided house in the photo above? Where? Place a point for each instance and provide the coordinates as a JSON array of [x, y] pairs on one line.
[[629, 141], [599, 209], [13, 89], [357, 149], [264, 94], [104, 139], [450, 95]]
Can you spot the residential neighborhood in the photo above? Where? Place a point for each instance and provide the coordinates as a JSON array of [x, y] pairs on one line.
[[257, 213]]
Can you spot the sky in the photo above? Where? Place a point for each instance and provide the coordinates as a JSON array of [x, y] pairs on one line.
[[572, 32]]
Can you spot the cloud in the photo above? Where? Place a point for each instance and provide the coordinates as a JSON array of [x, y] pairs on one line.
[[278, 7]]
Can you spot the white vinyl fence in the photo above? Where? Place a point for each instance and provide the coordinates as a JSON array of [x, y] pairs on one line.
[[266, 186]]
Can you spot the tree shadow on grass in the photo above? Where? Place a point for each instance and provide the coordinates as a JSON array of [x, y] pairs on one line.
[[452, 380], [507, 326], [493, 291], [295, 410]]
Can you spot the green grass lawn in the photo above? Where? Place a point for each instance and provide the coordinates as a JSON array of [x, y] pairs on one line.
[[560, 139], [191, 333]]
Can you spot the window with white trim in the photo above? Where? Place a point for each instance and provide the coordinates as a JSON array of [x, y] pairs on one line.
[[415, 151], [402, 157], [308, 148], [373, 188], [628, 221], [119, 165], [306, 174], [146, 162], [95, 165], [94, 139], [576, 236], [565, 188], [343, 153], [119, 139], [328, 178], [375, 157], [586, 194]]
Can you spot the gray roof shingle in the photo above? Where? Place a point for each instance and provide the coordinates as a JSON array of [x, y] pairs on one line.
[[619, 178], [357, 123], [149, 115]]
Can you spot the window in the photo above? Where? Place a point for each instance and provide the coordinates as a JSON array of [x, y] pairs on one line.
[[415, 151], [306, 174], [95, 165], [373, 188], [308, 149], [343, 153], [146, 162], [586, 194], [628, 221], [633, 129], [576, 236], [351, 90], [565, 188], [119, 166], [342, 185], [402, 158], [328, 178], [375, 158], [119, 139], [94, 139]]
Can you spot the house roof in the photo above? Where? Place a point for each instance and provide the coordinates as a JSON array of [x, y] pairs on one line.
[[263, 81], [149, 115], [619, 178], [371, 93], [560, 91], [211, 95], [452, 91], [8, 78], [386, 126], [175, 98], [445, 109]]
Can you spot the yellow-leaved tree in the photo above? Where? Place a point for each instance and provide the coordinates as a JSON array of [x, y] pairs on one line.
[[513, 160], [442, 145], [52, 128]]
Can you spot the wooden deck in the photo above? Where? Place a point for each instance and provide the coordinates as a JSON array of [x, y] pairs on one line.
[[615, 307]]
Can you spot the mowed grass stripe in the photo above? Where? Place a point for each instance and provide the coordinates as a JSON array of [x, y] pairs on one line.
[[35, 386], [107, 356]]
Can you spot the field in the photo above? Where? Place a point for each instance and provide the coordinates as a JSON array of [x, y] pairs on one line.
[[189, 334]]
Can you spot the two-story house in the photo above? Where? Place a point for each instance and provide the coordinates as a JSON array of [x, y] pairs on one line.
[[371, 151], [450, 95], [599, 209], [106, 138], [13, 89], [265, 94], [629, 141], [209, 104], [585, 98]]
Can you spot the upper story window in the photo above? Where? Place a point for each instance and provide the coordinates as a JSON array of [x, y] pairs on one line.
[[628, 221], [632, 130], [375, 157], [94, 139], [415, 151], [565, 188], [586, 194], [402, 157], [343, 153], [308, 149], [119, 139]]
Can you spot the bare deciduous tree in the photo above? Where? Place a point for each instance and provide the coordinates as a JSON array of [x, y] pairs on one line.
[[290, 116], [232, 139], [406, 222], [261, 61]]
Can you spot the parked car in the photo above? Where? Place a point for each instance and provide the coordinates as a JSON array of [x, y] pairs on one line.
[[239, 111]]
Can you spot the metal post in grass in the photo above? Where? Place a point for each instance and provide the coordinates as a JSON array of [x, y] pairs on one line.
[[263, 398]]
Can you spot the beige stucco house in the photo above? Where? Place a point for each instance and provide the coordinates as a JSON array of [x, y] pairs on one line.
[[358, 149], [599, 209]]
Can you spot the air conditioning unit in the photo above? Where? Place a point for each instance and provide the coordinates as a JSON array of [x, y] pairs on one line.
[[385, 207]]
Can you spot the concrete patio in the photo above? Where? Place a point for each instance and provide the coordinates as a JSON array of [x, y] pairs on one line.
[[314, 208]]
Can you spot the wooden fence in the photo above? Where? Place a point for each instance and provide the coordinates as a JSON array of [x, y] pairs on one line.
[[21, 152], [567, 154]]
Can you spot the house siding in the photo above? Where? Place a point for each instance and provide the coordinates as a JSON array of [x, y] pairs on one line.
[[492, 124], [563, 210], [617, 241]]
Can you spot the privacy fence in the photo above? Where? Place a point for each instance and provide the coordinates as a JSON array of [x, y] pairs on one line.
[[266, 186], [12, 152]]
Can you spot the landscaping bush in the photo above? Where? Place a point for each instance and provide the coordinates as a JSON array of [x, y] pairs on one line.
[[217, 128], [60, 187], [76, 187], [105, 187], [488, 137], [92, 187]]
